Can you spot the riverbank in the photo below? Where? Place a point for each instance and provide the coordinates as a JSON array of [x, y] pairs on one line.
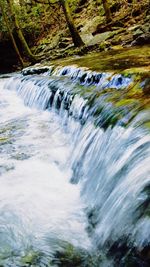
[[128, 30]]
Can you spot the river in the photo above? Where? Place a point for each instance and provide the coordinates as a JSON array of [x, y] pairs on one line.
[[72, 193]]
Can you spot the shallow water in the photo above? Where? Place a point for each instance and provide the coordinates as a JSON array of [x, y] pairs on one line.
[[37, 202]]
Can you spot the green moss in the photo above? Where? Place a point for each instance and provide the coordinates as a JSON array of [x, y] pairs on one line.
[[102, 46], [3, 139], [126, 102], [32, 258], [147, 125], [69, 256], [126, 60], [73, 256]]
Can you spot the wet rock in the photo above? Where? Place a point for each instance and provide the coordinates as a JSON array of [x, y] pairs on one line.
[[146, 88], [125, 254], [132, 261], [36, 70], [82, 78], [71, 256], [5, 76], [21, 156]]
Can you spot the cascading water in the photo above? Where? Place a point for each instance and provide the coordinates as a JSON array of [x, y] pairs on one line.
[[74, 190]]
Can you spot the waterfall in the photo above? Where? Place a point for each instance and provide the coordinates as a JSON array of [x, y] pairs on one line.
[[107, 164]]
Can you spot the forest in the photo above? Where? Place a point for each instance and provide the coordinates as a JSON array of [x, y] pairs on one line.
[[34, 31]]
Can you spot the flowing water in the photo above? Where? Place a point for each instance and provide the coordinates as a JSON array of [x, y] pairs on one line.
[[72, 192]]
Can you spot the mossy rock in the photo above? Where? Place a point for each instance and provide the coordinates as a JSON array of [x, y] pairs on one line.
[[35, 259], [71, 256], [127, 60]]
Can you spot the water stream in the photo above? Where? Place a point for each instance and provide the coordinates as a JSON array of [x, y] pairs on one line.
[[72, 193]]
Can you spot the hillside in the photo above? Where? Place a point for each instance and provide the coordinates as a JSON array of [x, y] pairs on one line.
[[47, 34]]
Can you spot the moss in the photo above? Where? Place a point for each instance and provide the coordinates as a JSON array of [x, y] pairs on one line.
[[34, 258], [147, 125], [102, 46], [3, 139], [126, 102], [122, 104], [71, 256], [126, 60]]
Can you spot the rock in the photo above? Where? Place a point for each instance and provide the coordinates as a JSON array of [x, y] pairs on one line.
[[146, 88], [126, 39], [97, 39], [146, 28], [62, 44], [147, 19], [5, 76], [101, 28], [116, 40], [36, 70], [134, 28], [91, 25], [143, 39], [141, 34], [87, 37], [137, 33]]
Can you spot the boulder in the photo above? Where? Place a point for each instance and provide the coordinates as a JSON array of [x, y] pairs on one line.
[[99, 38], [143, 39]]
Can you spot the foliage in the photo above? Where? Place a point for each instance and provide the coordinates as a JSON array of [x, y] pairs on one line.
[[44, 19]]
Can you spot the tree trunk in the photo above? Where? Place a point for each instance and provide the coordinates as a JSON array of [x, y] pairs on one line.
[[11, 35], [20, 34], [73, 31], [107, 11]]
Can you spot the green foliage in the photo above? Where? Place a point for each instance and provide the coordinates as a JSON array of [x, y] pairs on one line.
[[3, 28], [73, 4], [30, 21]]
